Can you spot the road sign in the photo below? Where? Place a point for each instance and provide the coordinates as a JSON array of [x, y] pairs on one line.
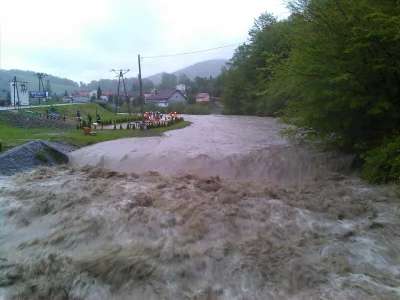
[[38, 94]]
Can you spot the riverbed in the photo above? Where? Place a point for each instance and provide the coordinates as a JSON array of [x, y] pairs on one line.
[[223, 209]]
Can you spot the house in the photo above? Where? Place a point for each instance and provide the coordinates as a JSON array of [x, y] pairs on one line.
[[203, 98], [181, 87], [146, 96], [81, 94], [106, 93], [93, 94], [166, 97]]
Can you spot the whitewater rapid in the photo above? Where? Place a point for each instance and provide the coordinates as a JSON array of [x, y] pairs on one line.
[[223, 209]]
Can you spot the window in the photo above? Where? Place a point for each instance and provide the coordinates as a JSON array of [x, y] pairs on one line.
[[176, 96]]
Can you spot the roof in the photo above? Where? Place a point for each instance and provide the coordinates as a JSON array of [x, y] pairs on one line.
[[164, 95], [201, 95], [106, 93]]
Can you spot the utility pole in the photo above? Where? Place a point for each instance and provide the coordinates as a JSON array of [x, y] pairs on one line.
[[116, 101], [126, 96], [141, 92], [15, 88], [40, 77], [120, 74]]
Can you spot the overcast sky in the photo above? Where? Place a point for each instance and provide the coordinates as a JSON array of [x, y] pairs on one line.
[[82, 40]]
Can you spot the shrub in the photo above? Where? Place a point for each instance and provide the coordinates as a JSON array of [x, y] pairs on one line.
[[177, 107], [196, 109], [41, 156], [382, 164]]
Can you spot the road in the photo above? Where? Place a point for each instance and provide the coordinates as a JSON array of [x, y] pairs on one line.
[[34, 106]]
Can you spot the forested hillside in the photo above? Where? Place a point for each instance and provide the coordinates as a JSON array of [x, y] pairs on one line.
[[332, 69], [57, 84], [203, 69]]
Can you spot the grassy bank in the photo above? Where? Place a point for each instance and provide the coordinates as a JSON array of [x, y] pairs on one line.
[[12, 136], [180, 108], [88, 108]]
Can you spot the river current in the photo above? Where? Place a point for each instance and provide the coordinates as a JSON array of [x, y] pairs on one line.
[[222, 209]]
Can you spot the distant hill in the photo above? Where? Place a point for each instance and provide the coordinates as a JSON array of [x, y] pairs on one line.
[[202, 69], [58, 84]]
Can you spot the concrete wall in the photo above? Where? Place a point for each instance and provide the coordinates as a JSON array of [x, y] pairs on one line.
[[23, 94]]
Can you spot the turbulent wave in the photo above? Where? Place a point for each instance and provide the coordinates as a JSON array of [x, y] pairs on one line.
[[92, 233], [278, 164], [224, 209]]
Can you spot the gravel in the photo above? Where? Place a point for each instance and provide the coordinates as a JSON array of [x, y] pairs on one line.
[[33, 154]]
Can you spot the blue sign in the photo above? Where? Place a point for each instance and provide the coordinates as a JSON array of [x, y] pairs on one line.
[[37, 94]]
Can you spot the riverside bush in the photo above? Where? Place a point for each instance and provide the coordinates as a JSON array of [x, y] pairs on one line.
[[382, 164], [196, 109]]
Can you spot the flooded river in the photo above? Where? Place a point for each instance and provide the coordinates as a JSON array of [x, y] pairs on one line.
[[246, 148], [223, 209]]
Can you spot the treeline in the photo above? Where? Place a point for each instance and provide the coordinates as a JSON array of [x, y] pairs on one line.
[[59, 84], [210, 85], [332, 69], [131, 84], [8, 75]]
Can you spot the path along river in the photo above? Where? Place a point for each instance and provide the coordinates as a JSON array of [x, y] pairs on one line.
[[223, 209]]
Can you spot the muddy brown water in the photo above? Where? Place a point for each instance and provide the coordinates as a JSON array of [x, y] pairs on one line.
[[223, 209], [233, 147]]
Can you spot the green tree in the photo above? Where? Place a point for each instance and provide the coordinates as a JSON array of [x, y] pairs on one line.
[[111, 98], [99, 92], [48, 88], [183, 78], [191, 98], [167, 81], [344, 71], [148, 85], [243, 85], [65, 93]]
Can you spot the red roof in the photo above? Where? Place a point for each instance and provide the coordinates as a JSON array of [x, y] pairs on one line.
[[81, 94], [201, 95], [106, 93]]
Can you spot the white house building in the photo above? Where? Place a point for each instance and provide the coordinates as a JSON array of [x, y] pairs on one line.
[[180, 87], [166, 97]]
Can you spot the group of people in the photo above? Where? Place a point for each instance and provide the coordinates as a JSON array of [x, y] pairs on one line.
[[157, 116], [79, 118]]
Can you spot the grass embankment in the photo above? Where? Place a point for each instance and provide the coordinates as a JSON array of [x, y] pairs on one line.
[[88, 108], [12, 136], [180, 108]]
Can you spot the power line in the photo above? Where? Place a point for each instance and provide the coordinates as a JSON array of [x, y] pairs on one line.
[[170, 55]]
